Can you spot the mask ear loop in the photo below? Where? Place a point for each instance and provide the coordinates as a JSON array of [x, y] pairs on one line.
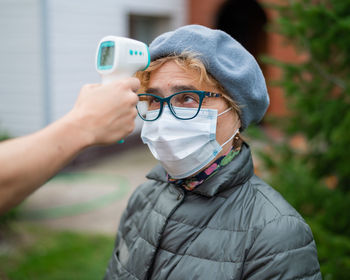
[[234, 134], [229, 109]]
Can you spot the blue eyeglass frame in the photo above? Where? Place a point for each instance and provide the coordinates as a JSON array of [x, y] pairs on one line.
[[202, 94]]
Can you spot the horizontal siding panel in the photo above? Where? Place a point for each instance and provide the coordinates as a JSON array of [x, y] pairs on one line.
[[18, 78], [21, 102], [18, 7], [20, 67], [75, 35], [15, 118], [76, 28], [22, 127]]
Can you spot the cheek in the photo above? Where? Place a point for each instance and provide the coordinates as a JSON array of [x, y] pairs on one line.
[[226, 123], [221, 127], [219, 124]]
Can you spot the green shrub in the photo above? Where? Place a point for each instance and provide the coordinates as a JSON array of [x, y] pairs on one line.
[[318, 89], [3, 134], [318, 95], [8, 217], [324, 209], [39, 253]]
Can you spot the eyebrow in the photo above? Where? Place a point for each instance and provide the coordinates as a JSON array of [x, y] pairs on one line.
[[174, 89]]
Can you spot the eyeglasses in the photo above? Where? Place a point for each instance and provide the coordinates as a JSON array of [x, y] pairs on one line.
[[150, 106]]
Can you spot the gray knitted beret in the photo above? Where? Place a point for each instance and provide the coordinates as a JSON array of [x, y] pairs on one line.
[[226, 60]]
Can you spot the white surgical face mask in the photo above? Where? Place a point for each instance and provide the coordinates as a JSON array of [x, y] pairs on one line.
[[183, 147]]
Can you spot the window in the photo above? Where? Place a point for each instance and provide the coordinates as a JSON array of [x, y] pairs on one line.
[[145, 28], [245, 21]]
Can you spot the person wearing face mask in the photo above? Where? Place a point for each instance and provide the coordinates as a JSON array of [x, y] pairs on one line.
[[203, 214]]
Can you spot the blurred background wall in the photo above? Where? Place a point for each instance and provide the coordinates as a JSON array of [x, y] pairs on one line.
[[48, 47], [247, 21], [47, 50]]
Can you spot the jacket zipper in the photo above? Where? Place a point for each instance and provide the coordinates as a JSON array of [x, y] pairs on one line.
[[180, 196]]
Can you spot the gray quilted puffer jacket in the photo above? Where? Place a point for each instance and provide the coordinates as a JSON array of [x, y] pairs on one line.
[[233, 226]]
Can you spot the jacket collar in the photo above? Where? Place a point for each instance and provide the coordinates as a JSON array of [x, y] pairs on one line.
[[237, 172]]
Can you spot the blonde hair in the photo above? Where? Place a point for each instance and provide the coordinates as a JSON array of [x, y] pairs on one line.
[[187, 61]]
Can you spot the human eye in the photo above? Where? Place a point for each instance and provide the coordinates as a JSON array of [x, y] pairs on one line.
[[188, 99], [153, 99], [153, 102]]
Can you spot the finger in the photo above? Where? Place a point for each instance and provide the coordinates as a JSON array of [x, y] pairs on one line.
[[133, 98], [95, 85], [91, 86], [133, 83]]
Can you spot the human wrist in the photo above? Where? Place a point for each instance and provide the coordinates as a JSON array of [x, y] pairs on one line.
[[74, 126]]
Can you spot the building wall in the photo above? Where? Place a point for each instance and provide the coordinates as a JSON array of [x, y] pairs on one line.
[[77, 26], [21, 84], [278, 48], [48, 52], [205, 11]]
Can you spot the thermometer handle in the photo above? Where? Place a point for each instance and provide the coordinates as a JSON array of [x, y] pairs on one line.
[[107, 79], [119, 58]]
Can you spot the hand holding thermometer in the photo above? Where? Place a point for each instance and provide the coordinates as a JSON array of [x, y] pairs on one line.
[[120, 57]]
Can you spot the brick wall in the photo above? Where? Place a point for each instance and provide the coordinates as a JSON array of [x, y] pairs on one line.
[[204, 12]]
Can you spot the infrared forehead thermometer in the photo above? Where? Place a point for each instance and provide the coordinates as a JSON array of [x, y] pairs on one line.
[[120, 57]]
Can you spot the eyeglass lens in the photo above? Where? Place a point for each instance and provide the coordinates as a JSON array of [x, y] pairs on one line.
[[148, 105]]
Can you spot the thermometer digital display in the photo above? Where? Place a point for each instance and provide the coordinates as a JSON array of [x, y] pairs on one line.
[[120, 57], [107, 55]]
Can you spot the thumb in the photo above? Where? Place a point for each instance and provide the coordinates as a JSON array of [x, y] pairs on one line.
[[132, 83]]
